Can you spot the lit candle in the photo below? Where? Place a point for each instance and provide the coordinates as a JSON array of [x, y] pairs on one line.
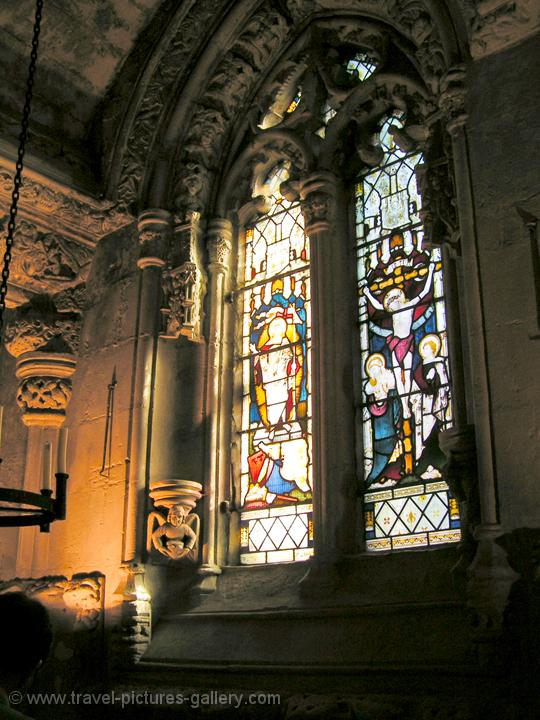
[[61, 452], [46, 477]]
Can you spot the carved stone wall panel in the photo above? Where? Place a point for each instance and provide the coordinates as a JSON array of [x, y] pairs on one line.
[[58, 208], [83, 596], [76, 609], [498, 24], [46, 261]]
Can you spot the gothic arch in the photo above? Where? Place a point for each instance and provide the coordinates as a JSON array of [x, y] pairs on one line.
[[200, 117]]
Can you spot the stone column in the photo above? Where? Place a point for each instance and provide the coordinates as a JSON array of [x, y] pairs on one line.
[[334, 481], [154, 227], [490, 576], [44, 341], [219, 241]]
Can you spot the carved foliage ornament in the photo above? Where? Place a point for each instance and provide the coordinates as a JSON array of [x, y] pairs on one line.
[[227, 90], [44, 393], [59, 208], [46, 260], [39, 325]]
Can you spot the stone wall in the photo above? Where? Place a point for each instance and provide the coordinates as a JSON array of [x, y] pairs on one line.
[[504, 126]]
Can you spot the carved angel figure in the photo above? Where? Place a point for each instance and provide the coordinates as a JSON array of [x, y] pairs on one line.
[[175, 536]]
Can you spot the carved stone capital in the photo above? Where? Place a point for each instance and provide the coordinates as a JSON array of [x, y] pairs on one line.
[[154, 228], [219, 242], [460, 472], [39, 325], [318, 199], [45, 387], [452, 98], [174, 532], [459, 446]]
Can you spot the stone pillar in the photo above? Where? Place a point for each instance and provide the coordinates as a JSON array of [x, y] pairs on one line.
[[154, 228], [219, 241], [44, 341], [490, 576], [334, 481]]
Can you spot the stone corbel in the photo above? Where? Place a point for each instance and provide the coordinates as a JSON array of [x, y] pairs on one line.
[[184, 283], [490, 579], [461, 474], [173, 528], [250, 211], [135, 615]]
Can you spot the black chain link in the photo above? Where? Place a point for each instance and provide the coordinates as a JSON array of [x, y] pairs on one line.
[[17, 181]]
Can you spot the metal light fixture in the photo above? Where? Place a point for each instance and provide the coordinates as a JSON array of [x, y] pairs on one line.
[[21, 507]]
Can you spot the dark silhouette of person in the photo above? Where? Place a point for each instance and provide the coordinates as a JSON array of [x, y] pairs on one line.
[[25, 641]]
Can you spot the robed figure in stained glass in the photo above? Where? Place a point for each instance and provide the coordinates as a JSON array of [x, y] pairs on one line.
[[278, 394], [278, 346], [275, 459]]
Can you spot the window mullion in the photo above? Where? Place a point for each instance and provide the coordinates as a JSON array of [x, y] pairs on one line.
[[334, 505]]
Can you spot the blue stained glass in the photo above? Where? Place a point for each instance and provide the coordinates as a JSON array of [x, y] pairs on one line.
[[276, 524], [406, 387]]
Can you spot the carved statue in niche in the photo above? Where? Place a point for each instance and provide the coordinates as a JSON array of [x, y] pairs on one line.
[[177, 532]]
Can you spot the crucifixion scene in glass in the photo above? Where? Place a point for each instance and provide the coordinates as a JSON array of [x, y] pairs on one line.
[[406, 391]]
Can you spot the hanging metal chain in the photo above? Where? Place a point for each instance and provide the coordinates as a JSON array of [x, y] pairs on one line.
[[17, 181]]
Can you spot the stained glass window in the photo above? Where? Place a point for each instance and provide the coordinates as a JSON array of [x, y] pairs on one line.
[[406, 391], [361, 66], [295, 102], [276, 484]]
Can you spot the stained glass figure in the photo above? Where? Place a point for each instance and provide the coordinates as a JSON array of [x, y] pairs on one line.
[[276, 519], [406, 391]]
